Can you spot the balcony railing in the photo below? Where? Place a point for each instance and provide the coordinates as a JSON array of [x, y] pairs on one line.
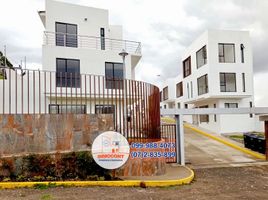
[[91, 42], [134, 104]]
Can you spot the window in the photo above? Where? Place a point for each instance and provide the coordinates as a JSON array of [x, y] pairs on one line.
[[188, 93], [114, 75], [61, 109], [165, 93], [66, 34], [102, 37], [228, 82], [165, 106], [202, 84], [191, 89], [215, 116], [67, 72], [250, 105], [186, 106], [201, 57], [231, 105], [161, 96], [243, 82], [104, 109], [242, 47], [226, 53], [204, 118], [187, 67], [179, 89], [178, 105]]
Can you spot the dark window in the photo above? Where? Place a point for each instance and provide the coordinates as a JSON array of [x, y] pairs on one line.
[[178, 105], [243, 82], [226, 53], [61, 109], [179, 89], [242, 47], [186, 106], [204, 118], [161, 96], [250, 105], [228, 82], [114, 75], [187, 67], [165, 106], [202, 84], [215, 116], [66, 34], [102, 37], [165, 93], [104, 109], [201, 57], [231, 105], [67, 73]]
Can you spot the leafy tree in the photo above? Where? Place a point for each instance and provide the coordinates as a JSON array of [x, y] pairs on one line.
[[2, 63]]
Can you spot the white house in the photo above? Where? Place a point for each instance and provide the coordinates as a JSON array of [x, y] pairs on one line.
[[217, 73]]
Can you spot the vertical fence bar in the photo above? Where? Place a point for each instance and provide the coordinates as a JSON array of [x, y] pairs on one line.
[[22, 95], [4, 76], [16, 92], [28, 91], [33, 92], [45, 91], [9, 90], [39, 91], [86, 92]]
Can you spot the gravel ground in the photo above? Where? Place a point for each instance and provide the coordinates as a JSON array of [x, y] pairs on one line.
[[216, 183]]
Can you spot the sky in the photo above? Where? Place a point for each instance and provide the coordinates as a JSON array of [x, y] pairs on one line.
[[165, 29]]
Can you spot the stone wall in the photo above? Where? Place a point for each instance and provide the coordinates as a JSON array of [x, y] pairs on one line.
[[45, 133]]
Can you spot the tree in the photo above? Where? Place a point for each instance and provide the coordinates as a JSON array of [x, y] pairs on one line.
[[3, 61]]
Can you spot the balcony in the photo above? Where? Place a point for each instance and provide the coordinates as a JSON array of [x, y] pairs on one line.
[[91, 42]]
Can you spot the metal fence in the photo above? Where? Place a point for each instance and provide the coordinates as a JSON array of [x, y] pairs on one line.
[[168, 133], [91, 42], [134, 104]]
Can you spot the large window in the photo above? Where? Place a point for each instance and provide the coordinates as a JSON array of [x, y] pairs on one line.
[[114, 75], [187, 67], [61, 109], [165, 93], [226, 53], [204, 118], [201, 57], [228, 82], [102, 37], [66, 34], [202, 84], [67, 72], [179, 89]]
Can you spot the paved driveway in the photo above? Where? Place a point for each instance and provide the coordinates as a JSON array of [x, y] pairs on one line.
[[203, 152]]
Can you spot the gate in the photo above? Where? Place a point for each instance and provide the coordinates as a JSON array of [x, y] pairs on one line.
[[168, 134]]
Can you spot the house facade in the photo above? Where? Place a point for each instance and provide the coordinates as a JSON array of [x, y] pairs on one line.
[[217, 72]]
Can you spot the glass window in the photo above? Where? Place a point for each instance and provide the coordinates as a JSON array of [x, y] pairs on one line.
[[67, 72], [187, 67], [114, 75], [66, 34], [104, 109], [165, 93], [231, 105], [243, 82], [228, 82], [242, 47], [226, 53], [202, 84], [204, 118], [201, 57], [62, 109], [179, 89], [102, 37]]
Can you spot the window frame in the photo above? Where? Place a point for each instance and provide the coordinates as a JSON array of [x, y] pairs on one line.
[[179, 87], [77, 80], [205, 117], [65, 35], [205, 59], [112, 80], [188, 71], [60, 106], [242, 47], [165, 93], [206, 84], [223, 56], [227, 105], [225, 85]]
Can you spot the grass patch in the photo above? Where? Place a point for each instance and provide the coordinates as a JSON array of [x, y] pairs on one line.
[[41, 186], [46, 197]]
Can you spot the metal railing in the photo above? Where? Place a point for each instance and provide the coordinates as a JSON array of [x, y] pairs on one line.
[[91, 42], [134, 104]]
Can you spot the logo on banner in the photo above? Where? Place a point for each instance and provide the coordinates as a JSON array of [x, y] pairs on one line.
[[110, 150]]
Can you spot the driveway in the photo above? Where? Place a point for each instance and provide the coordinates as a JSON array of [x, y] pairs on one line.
[[204, 152]]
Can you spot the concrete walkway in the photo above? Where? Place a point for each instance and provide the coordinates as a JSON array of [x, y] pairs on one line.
[[203, 152]]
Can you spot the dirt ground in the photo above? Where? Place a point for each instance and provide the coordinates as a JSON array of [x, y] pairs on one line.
[[215, 183]]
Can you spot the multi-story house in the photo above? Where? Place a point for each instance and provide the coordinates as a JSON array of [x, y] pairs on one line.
[[217, 73]]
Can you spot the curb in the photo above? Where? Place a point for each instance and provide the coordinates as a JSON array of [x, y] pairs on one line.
[[128, 183], [244, 150]]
